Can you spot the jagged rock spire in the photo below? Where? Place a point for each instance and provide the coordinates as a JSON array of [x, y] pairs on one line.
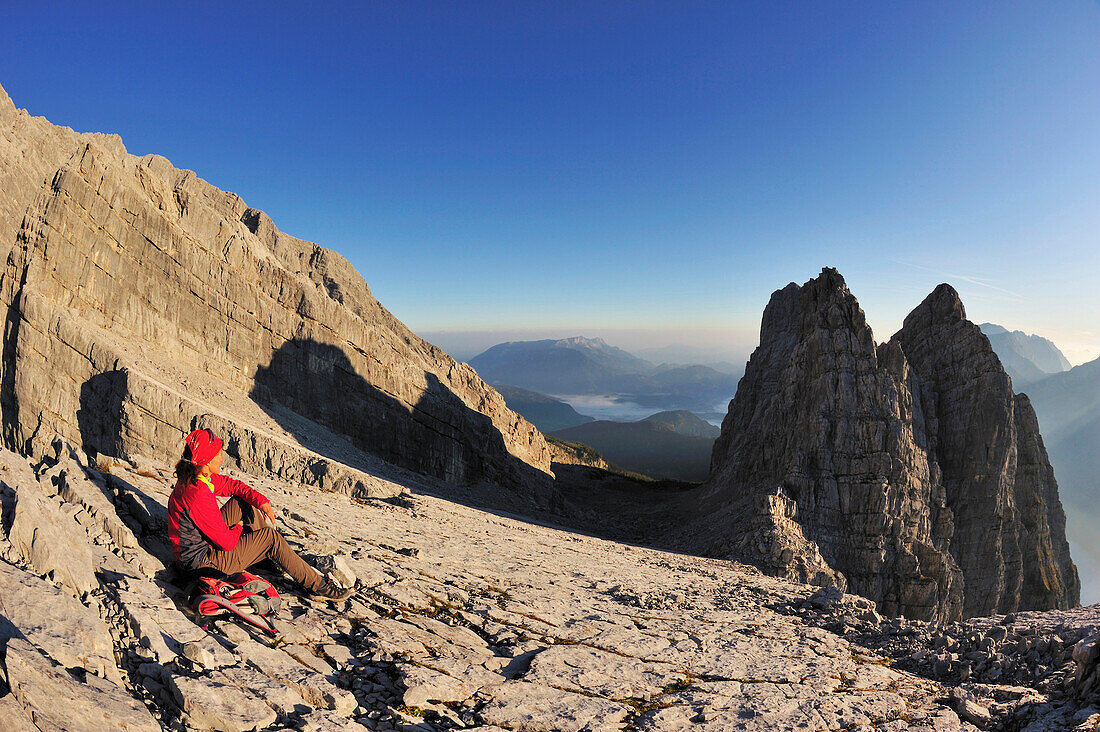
[[846, 462], [1009, 525]]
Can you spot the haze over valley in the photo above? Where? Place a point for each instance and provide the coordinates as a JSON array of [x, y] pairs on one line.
[[608, 381]]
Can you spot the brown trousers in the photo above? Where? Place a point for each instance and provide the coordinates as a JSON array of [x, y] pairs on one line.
[[258, 542]]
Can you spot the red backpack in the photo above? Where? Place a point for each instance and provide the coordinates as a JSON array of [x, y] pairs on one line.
[[251, 598]]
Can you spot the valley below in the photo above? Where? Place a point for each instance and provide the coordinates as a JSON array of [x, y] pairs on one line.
[[625, 408]]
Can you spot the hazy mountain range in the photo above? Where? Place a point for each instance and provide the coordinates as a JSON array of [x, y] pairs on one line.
[[1067, 402], [1026, 358], [1068, 406], [545, 412], [674, 445], [724, 360], [589, 366]]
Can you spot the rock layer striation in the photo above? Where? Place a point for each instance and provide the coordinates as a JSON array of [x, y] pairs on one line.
[[907, 472], [139, 296]]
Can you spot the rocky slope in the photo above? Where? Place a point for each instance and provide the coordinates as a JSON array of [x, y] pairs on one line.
[[139, 296], [468, 619], [907, 472]]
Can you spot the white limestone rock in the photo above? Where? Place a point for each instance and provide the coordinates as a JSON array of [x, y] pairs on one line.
[[13, 718], [337, 654], [212, 703], [322, 720], [208, 654], [70, 633], [278, 696], [312, 686], [41, 534], [592, 671], [535, 708], [54, 700]]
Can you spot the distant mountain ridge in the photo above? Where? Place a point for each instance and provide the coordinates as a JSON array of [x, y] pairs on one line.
[[1026, 357], [724, 360], [685, 423], [673, 445], [1067, 404], [545, 412], [589, 366], [563, 366], [1068, 407], [1067, 400]]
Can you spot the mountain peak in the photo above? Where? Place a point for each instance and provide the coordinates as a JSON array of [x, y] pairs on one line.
[[831, 279], [942, 306], [1027, 358], [684, 422], [823, 302], [825, 430], [582, 342], [7, 106]]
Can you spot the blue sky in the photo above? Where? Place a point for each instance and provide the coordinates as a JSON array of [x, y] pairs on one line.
[[648, 172]]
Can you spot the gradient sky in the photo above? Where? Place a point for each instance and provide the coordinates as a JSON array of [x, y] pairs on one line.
[[649, 172]]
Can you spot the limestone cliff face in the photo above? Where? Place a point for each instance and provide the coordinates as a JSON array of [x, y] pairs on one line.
[[1009, 524], [140, 296], [825, 426], [907, 471]]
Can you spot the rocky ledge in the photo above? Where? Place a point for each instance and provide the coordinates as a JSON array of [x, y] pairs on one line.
[[464, 618]]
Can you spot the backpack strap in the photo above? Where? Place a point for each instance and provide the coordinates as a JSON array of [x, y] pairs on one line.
[[247, 596], [216, 605], [263, 596]]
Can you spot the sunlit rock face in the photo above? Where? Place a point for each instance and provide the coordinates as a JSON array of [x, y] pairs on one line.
[[139, 296], [908, 471]]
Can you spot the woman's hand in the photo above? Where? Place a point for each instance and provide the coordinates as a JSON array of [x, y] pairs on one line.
[[269, 512]]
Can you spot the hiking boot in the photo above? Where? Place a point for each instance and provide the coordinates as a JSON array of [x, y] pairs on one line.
[[329, 590]]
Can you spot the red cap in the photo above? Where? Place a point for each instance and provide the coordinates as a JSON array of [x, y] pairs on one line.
[[204, 446]]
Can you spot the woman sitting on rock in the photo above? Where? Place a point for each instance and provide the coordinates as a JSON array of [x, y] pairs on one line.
[[241, 533]]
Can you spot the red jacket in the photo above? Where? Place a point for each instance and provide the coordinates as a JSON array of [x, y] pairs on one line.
[[195, 523]]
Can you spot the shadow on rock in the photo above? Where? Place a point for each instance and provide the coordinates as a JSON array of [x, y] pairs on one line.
[[432, 432], [100, 415]]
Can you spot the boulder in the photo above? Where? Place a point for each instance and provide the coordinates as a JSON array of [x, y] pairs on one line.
[[67, 631], [213, 703], [53, 699], [42, 535]]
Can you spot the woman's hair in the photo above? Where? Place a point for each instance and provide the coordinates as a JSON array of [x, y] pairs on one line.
[[186, 471]]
